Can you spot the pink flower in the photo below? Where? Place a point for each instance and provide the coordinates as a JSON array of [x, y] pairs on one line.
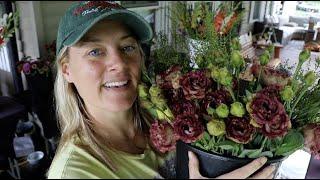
[[278, 127], [184, 107], [170, 78], [271, 91], [269, 114], [26, 68], [215, 98], [195, 84], [264, 109], [162, 136], [188, 128], [239, 129]]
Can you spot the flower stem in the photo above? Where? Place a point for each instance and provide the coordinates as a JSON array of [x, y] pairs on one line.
[[263, 143], [231, 92], [260, 71], [298, 99]]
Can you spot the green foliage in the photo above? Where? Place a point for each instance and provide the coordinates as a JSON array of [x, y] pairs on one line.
[[166, 55], [292, 141]]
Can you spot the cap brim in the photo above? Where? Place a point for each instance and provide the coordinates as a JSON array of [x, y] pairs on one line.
[[134, 21]]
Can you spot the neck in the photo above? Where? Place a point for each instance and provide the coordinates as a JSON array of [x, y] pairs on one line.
[[113, 125]]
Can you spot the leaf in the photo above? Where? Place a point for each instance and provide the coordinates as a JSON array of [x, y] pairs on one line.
[[267, 154], [227, 145], [292, 141], [206, 136], [255, 153], [153, 112]]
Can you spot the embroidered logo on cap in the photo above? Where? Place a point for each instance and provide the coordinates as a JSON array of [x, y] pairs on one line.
[[96, 6]]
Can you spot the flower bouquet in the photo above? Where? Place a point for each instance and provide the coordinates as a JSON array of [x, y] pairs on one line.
[[31, 67], [225, 110], [7, 26]]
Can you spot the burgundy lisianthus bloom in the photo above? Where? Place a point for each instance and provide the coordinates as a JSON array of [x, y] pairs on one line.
[[162, 136], [239, 129], [184, 107], [188, 128], [215, 98], [173, 95], [271, 76], [169, 79], [195, 84], [271, 91], [279, 126], [264, 109], [312, 136]]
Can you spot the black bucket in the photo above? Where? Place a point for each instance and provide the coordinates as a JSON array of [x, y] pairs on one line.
[[211, 164]]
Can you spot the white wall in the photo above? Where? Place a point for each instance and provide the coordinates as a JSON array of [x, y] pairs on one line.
[[38, 24], [52, 11]]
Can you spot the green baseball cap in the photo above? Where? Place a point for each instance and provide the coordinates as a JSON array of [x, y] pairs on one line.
[[81, 16]]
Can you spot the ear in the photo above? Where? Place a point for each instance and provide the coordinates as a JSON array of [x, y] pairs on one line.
[[66, 71]]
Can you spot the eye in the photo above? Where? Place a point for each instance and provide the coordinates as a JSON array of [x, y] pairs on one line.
[[128, 49], [95, 52]]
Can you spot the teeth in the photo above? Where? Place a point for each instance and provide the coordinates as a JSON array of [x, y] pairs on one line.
[[115, 84]]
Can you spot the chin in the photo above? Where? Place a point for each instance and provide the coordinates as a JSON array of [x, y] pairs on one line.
[[116, 107]]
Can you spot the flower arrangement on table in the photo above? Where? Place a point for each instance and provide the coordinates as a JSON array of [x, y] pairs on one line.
[[32, 67], [7, 27], [224, 105]]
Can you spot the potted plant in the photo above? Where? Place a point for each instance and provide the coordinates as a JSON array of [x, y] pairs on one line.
[[227, 112]]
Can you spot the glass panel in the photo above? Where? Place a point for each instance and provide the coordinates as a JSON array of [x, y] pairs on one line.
[[256, 10]]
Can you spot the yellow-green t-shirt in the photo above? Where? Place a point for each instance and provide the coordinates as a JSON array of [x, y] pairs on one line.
[[74, 162]]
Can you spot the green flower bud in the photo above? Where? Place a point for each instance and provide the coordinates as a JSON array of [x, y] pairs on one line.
[[264, 58], [210, 111], [237, 109], [143, 91], [214, 73], [159, 102], [222, 111], [236, 59], [287, 93], [270, 49], [304, 56], [155, 91], [216, 127], [146, 104], [225, 77], [310, 78]]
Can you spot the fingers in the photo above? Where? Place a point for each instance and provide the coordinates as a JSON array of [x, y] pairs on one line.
[[193, 166], [266, 173], [246, 170]]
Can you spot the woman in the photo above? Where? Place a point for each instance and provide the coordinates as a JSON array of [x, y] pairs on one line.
[[104, 133]]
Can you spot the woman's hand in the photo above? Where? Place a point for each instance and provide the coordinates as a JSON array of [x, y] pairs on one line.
[[241, 173]]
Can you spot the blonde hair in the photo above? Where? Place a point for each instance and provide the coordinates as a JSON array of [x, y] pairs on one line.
[[73, 119]]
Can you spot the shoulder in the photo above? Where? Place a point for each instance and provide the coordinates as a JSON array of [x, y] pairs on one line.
[[74, 162]]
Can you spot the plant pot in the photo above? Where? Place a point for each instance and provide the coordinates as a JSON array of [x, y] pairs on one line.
[[211, 164]]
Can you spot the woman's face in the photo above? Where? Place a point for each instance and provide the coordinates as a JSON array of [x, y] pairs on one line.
[[105, 67]]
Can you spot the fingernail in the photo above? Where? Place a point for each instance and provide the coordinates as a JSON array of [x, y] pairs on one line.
[[263, 159]]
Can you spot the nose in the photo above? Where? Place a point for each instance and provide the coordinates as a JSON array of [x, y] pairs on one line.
[[116, 61]]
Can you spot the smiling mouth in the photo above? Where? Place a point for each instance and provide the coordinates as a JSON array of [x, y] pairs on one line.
[[117, 84]]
